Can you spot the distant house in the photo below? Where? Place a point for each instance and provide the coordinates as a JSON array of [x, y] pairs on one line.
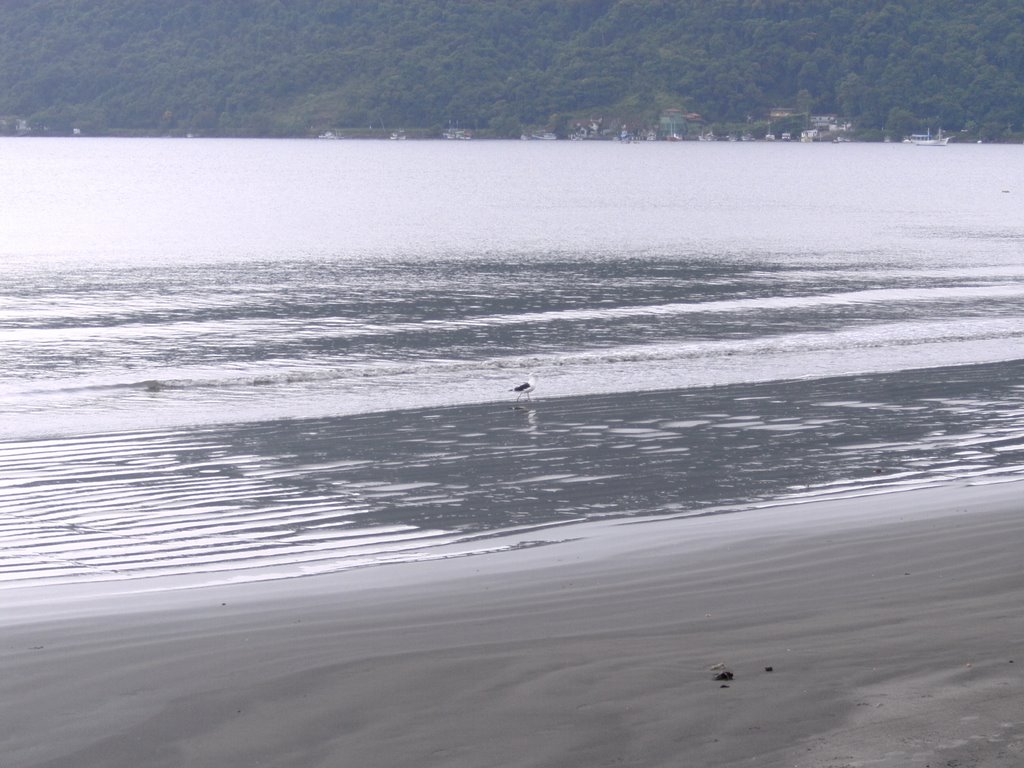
[[591, 129], [777, 113], [830, 123], [18, 124]]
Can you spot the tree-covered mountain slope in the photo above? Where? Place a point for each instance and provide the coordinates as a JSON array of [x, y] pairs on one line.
[[296, 67]]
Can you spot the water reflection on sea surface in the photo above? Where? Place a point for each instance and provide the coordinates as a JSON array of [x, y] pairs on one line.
[[270, 358], [293, 497]]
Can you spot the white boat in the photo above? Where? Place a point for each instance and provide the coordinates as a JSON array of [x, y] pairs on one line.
[[457, 134], [927, 140]]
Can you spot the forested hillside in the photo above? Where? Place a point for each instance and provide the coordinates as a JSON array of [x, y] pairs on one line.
[[297, 67]]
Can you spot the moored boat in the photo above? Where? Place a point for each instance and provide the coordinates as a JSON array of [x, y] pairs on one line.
[[927, 140]]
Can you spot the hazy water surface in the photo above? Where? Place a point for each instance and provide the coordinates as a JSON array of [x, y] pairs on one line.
[[165, 303]]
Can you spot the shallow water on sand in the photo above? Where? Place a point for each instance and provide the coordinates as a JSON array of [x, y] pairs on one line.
[[283, 357], [294, 497]]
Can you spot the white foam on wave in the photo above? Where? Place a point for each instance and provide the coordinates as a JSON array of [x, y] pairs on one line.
[[882, 336], [378, 386], [200, 332]]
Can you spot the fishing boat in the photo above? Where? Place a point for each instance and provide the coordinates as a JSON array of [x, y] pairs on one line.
[[457, 134], [927, 140]]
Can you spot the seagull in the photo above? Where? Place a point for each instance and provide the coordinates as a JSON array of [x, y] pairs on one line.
[[525, 388]]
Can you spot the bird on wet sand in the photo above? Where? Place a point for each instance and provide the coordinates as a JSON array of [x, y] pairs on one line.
[[525, 388]]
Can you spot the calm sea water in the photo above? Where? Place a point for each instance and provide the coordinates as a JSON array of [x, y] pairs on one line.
[[224, 355]]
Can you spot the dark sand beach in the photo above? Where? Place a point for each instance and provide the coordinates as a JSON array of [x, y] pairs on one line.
[[891, 625]]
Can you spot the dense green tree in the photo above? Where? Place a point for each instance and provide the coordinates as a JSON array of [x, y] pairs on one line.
[[276, 67]]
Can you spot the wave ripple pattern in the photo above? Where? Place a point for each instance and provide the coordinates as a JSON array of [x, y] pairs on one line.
[[293, 497], [161, 503]]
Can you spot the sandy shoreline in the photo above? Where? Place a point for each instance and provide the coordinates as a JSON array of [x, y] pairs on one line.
[[892, 625]]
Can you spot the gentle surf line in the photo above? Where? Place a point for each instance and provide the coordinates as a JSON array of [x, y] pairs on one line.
[[340, 327], [861, 337]]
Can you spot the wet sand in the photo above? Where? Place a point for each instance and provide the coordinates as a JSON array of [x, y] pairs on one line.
[[307, 496], [891, 624]]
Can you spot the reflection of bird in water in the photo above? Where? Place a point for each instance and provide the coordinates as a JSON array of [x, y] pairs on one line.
[[525, 388], [531, 420]]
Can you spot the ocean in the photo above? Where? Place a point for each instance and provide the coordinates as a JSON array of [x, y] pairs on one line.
[[238, 359]]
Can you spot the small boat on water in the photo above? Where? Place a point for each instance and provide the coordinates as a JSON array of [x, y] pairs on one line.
[[927, 140], [457, 134]]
